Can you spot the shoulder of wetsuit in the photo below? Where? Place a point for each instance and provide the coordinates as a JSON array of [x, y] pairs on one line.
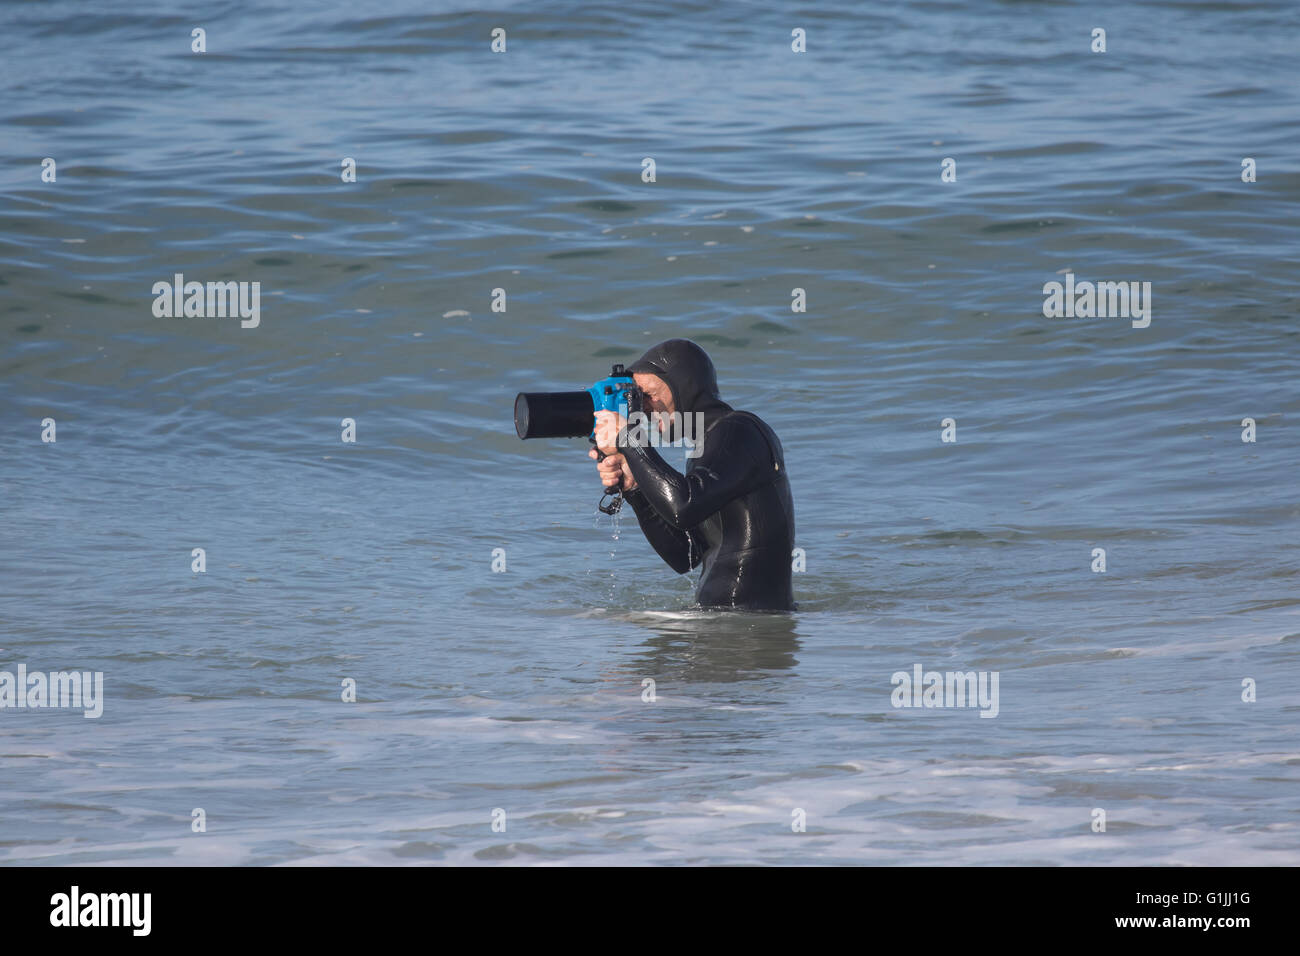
[[742, 424]]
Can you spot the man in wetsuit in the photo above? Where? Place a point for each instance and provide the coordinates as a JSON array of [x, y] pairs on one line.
[[732, 509]]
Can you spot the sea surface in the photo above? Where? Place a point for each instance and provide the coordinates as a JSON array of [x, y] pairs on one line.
[[517, 696]]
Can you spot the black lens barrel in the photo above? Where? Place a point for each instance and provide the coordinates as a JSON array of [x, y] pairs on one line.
[[553, 414]]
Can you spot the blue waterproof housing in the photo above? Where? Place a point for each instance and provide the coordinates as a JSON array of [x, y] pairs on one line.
[[617, 393], [569, 415]]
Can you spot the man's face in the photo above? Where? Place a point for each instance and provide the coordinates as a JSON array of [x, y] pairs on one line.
[[658, 396]]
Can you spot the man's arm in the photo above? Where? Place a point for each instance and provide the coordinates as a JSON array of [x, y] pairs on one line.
[[734, 462], [678, 548]]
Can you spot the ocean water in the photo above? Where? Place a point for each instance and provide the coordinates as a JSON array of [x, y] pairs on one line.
[[517, 695]]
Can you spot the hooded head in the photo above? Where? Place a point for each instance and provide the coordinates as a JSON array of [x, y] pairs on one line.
[[688, 371]]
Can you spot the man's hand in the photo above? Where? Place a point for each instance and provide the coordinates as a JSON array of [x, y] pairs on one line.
[[607, 428], [608, 425], [611, 468]]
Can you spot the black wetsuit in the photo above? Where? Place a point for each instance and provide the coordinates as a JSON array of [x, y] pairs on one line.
[[732, 509]]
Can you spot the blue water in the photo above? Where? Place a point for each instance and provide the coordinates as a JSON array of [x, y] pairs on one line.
[[521, 691]]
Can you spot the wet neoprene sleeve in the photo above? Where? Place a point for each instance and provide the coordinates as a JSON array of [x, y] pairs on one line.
[[735, 460], [677, 547]]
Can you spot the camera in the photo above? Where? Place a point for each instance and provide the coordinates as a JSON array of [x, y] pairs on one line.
[[569, 414]]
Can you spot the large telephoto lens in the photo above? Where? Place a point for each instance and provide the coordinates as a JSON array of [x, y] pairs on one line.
[[553, 414]]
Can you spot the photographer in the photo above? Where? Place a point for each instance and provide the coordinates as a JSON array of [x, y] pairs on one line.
[[732, 510]]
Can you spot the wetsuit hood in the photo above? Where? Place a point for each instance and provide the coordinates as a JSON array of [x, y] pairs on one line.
[[689, 373]]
